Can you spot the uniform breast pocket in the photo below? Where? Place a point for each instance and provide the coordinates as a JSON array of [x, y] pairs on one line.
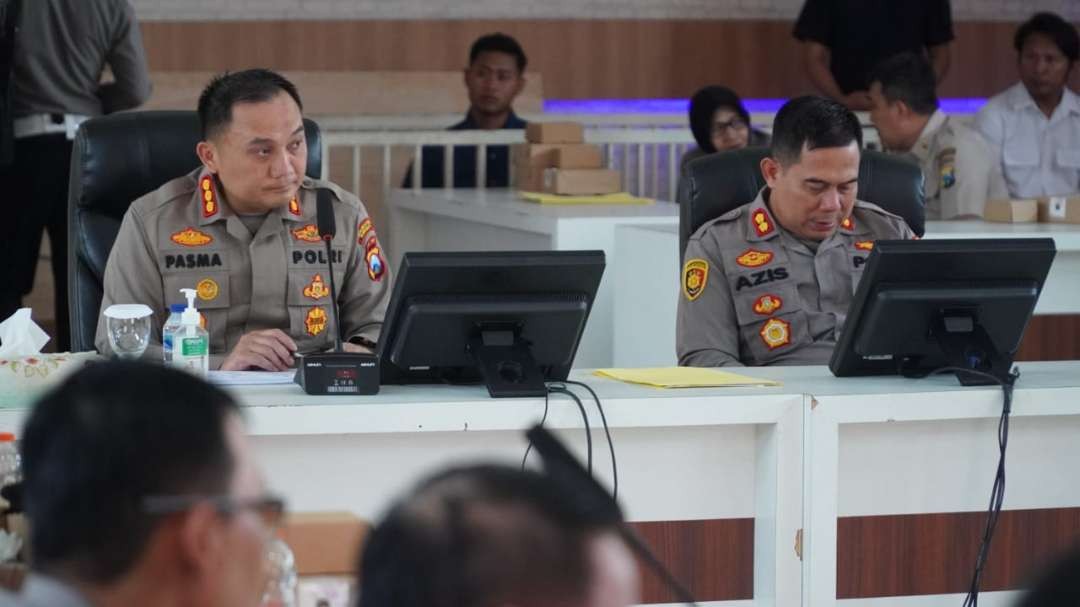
[[211, 298], [1068, 158], [310, 315], [771, 322]]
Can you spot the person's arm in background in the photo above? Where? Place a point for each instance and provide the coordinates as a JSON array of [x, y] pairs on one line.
[[127, 60], [938, 36], [817, 58]]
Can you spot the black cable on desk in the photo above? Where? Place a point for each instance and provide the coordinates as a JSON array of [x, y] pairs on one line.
[[559, 388], [528, 449], [607, 433], [997, 492]]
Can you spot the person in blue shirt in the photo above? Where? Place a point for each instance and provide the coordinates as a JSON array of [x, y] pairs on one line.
[[494, 78]]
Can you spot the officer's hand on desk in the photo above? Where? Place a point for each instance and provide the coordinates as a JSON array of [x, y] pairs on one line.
[[269, 350]]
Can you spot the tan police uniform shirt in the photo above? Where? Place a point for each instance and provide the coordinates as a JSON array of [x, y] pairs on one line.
[[754, 294], [182, 235], [959, 169]]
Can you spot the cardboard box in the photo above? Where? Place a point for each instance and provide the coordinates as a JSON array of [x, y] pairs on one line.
[[324, 543], [578, 157], [1059, 209], [554, 132], [582, 182], [1011, 211], [531, 159]]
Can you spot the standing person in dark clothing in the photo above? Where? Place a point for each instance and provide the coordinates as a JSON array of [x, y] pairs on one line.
[[844, 39], [61, 48], [494, 78]]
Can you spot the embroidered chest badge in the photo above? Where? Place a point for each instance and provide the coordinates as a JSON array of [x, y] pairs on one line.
[[775, 333], [753, 258], [190, 237], [315, 322], [767, 304]]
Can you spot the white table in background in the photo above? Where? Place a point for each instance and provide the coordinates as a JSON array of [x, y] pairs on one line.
[[498, 220]]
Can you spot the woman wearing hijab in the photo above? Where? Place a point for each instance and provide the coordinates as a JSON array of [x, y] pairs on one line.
[[719, 122]]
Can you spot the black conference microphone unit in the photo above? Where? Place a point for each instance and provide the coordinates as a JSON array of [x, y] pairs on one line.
[[336, 372], [595, 503]]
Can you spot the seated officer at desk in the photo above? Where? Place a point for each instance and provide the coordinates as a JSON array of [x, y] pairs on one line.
[[770, 282], [241, 230], [494, 78]]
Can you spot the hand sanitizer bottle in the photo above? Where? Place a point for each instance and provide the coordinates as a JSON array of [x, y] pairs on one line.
[[191, 342]]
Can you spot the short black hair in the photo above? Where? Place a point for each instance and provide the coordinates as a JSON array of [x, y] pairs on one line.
[[480, 535], [814, 121], [1060, 31], [98, 444], [249, 86], [499, 42], [910, 78], [704, 104]]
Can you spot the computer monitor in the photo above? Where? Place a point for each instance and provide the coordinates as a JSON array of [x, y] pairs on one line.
[[926, 304], [511, 320]]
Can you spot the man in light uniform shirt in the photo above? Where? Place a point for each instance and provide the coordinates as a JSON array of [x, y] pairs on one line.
[[959, 167], [1035, 124]]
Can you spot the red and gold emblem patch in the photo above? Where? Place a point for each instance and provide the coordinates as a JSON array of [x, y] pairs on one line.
[[373, 259], [294, 206], [209, 199], [190, 237], [767, 304], [848, 224], [762, 224], [775, 333], [308, 233], [315, 322], [865, 245], [317, 289], [363, 230], [695, 276], [753, 258]]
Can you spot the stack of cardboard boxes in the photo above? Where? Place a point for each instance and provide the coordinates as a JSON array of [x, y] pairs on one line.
[[1046, 209], [557, 161]]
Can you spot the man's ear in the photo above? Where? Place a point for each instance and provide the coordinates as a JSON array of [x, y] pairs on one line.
[[770, 170], [207, 153], [199, 539]]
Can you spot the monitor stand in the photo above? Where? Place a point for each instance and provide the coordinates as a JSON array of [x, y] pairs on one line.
[[506, 364], [966, 345]]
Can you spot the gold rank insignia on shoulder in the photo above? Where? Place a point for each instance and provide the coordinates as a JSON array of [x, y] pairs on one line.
[[763, 226], [767, 304], [848, 224], [317, 289], [308, 233], [315, 322], [294, 206], [775, 333], [190, 237], [865, 245], [753, 258], [695, 276], [209, 198], [207, 289]]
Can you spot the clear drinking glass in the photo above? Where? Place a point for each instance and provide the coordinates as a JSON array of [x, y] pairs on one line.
[[128, 326]]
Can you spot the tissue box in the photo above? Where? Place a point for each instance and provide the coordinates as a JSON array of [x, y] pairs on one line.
[[1059, 209], [1011, 211], [24, 378], [554, 132]]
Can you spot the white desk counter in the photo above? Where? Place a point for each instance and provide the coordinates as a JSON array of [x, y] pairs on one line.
[[647, 281], [497, 220]]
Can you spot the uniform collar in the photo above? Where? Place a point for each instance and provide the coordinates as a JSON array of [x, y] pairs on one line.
[[512, 122], [1019, 98], [214, 208], [921, 149]]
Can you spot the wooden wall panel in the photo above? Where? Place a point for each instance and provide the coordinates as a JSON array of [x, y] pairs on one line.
[[919, 554], [1054, 337], [713, 558], [578, 58]]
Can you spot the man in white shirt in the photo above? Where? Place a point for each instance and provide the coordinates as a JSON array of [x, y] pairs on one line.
[[1035, 124]]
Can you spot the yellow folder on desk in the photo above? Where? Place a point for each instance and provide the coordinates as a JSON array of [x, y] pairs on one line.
[[617, 198], [683, 377]]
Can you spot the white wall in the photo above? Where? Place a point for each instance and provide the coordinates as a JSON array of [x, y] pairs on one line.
[[203, 10]]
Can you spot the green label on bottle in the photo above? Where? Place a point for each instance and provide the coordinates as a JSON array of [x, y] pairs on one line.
[[194, 346]]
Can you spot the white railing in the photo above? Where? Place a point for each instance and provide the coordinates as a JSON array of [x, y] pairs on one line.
[[647, 157]]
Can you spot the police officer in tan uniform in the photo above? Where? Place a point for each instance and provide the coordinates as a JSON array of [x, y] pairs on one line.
[[770, 282], [958, 165], [241, 230]]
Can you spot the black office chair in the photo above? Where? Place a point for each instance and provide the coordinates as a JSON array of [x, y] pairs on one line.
[[115, 160], [715, 184]]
